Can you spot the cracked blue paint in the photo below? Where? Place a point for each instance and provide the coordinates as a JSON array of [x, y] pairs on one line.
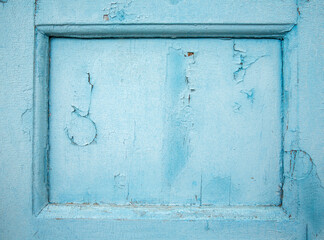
[[258, 151], [82, 130]]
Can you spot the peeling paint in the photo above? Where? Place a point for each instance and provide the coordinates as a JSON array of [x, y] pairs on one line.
[[106, 17], [243, 61], [116, 10], [188, 54], [82, 130]]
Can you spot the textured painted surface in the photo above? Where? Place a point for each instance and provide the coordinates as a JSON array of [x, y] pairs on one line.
[[165, 121], [169, 11], [302, 189], [16, 118], [310, 31]]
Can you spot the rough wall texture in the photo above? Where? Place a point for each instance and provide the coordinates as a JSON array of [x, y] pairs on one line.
[[311, 111], [16, 102]]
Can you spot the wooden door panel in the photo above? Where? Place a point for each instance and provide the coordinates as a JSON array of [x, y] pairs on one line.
[[160, 121]]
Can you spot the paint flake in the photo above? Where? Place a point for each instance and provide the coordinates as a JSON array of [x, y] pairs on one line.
[[82, 130]]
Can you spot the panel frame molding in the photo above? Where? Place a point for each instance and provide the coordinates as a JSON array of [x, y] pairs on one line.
[[154, 30], [42, 208]]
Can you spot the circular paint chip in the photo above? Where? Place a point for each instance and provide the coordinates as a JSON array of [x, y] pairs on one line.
[[81, 130]]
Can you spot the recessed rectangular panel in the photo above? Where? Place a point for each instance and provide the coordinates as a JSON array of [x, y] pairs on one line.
[[165, 121]]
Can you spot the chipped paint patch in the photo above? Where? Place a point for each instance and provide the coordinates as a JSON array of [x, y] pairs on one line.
[[105, 17], [82, 130], [116, 11], [244, 61]]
